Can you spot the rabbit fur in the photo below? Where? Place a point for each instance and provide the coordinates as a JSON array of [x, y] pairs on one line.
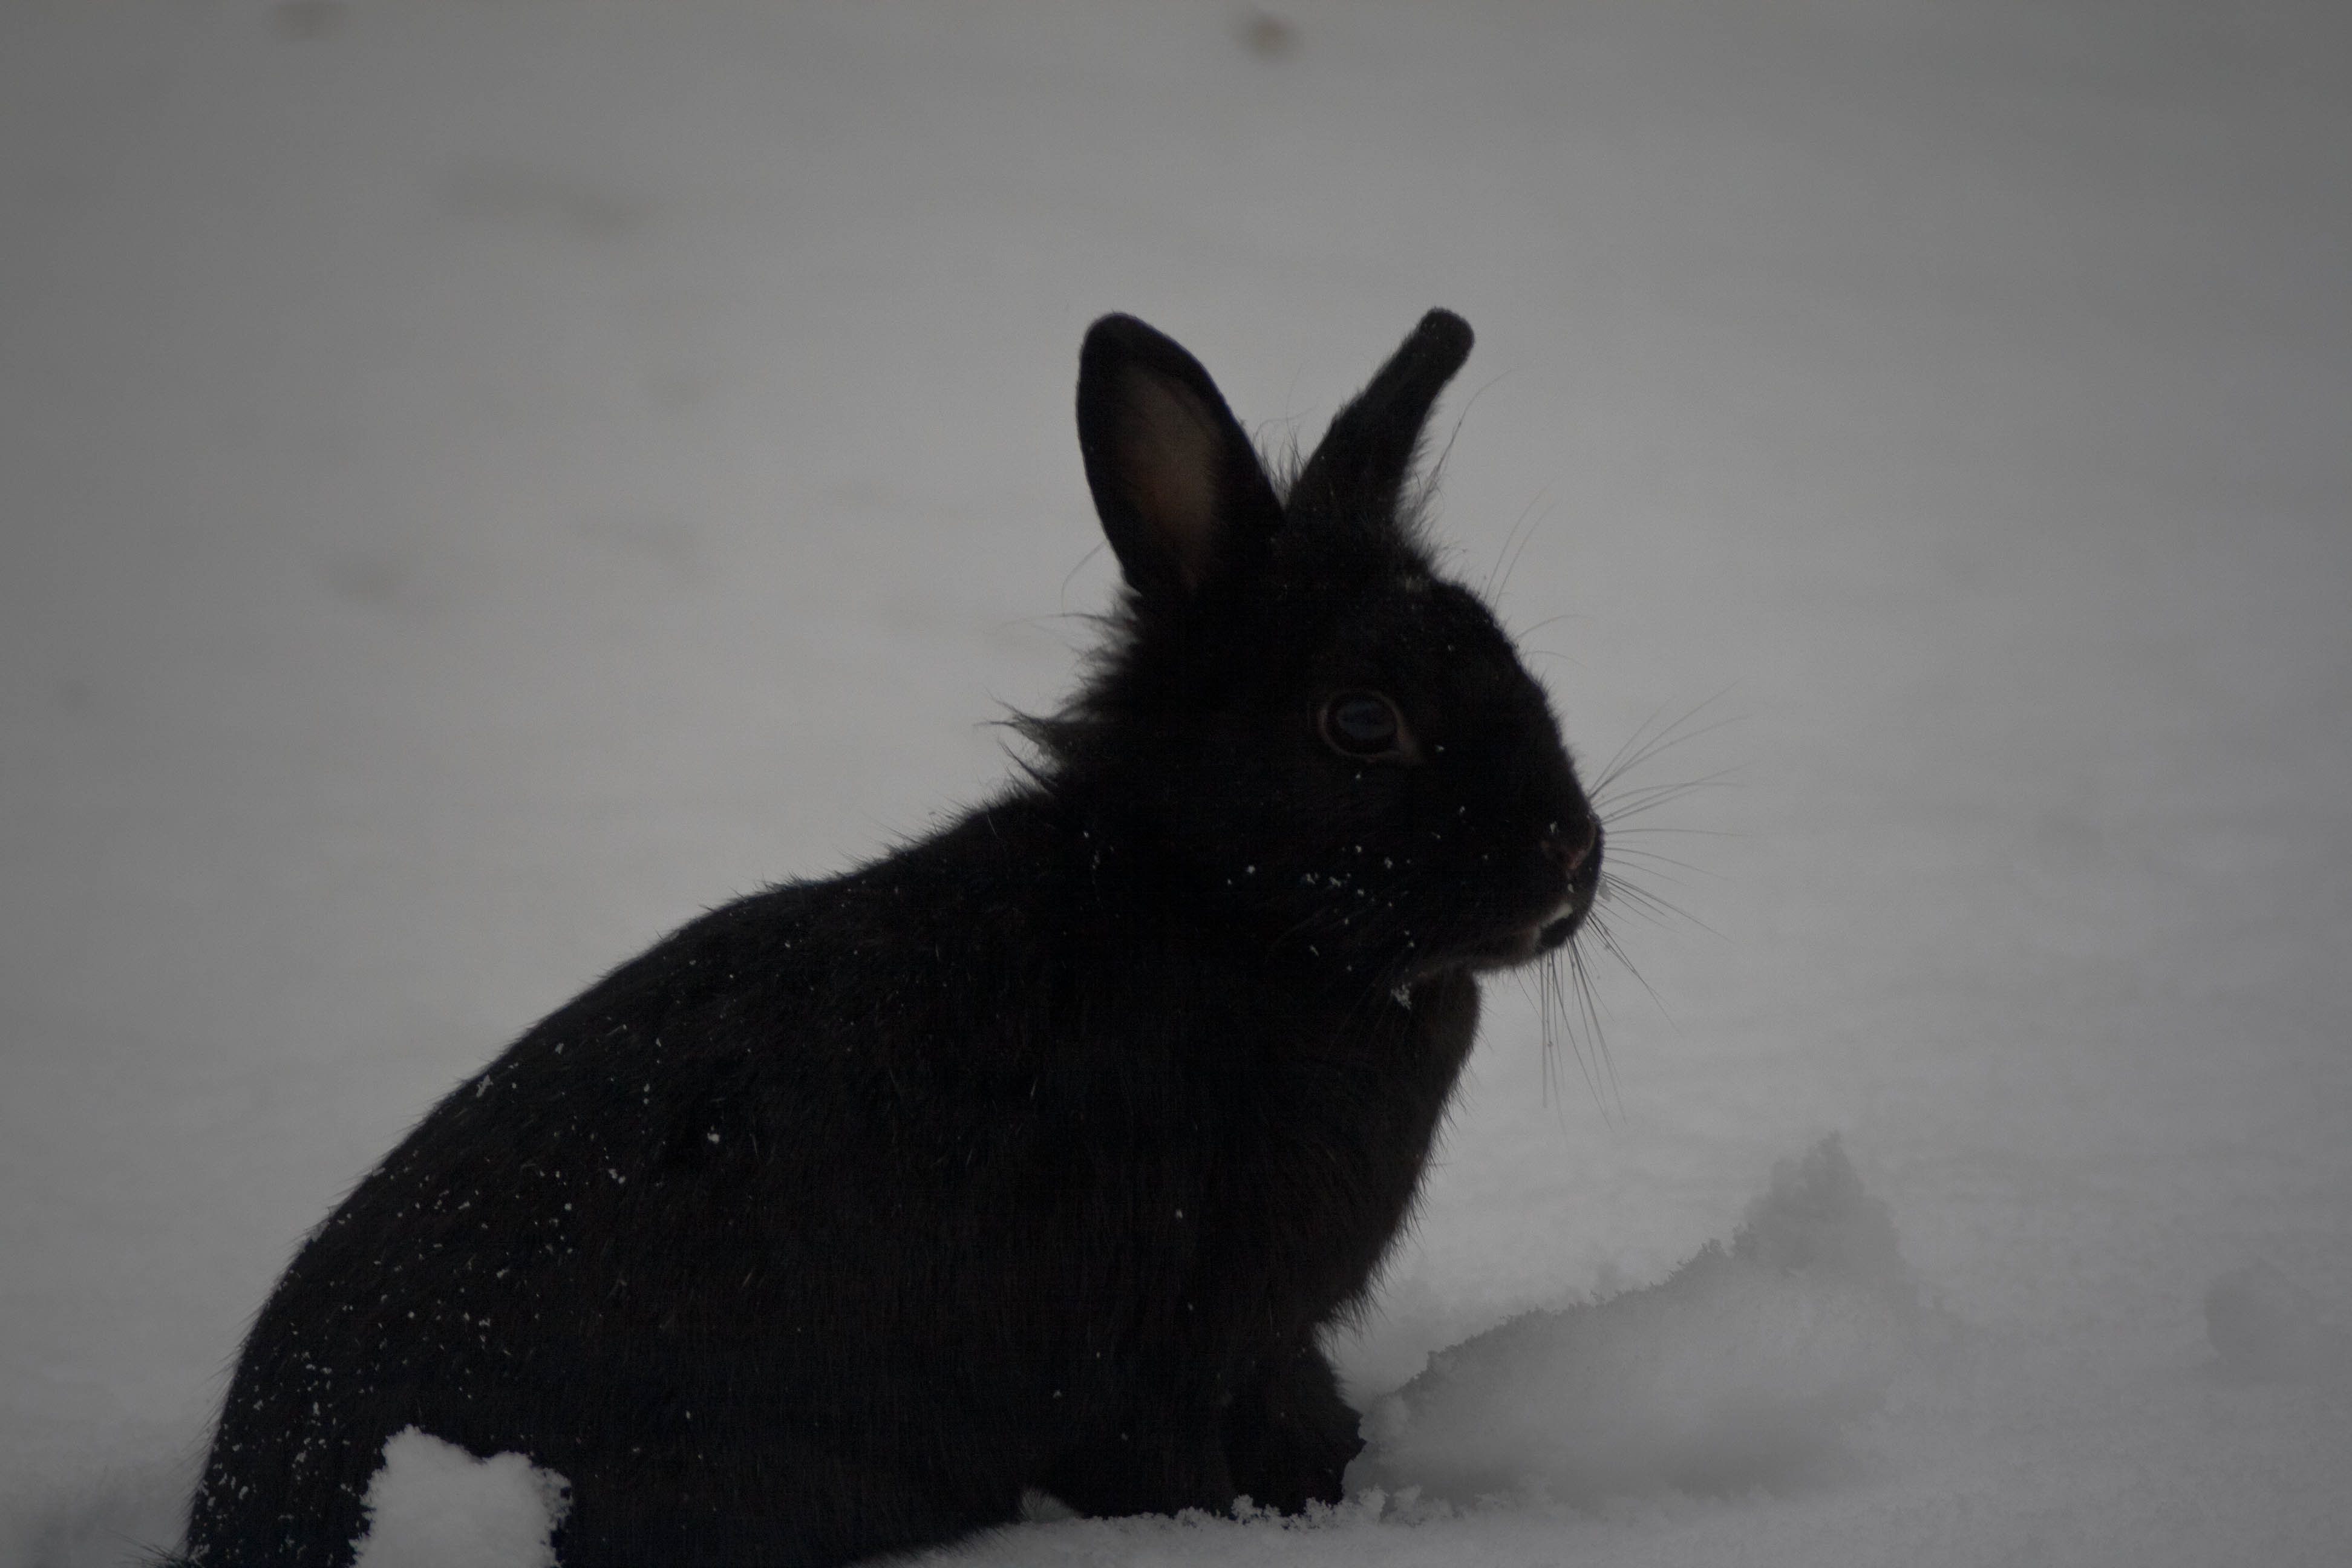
[[1033, 1155]]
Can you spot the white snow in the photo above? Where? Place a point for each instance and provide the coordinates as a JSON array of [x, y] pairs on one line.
[[1736, 1372], [481, 483], [433, 1505]]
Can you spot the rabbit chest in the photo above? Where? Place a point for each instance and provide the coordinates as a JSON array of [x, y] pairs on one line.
[[1023, 1142]]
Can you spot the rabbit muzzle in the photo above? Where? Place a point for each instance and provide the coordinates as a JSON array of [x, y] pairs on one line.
[[1574, 856]]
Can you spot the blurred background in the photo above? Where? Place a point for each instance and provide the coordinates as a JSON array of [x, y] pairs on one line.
[[482, 480]]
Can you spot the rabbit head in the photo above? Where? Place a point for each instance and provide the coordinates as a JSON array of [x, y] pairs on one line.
[[1325, 745]]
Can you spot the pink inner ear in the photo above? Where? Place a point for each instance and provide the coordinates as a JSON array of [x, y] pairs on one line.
[[1170, 463]]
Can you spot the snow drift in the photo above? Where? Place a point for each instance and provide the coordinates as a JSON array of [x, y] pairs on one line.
[[1734, 1371]]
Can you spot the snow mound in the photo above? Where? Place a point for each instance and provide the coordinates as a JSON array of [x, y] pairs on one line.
[[2267, 1328], [1738, 1371], [433, 1505]]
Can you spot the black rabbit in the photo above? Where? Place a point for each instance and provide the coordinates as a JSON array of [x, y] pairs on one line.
[[1033, 1155]]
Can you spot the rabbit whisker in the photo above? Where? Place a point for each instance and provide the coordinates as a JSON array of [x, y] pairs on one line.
[[1620, 851], [1649, 905], [1650, 740], [1654, 795]]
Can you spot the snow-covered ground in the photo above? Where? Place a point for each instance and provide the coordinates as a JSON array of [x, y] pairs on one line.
[[480, 482]]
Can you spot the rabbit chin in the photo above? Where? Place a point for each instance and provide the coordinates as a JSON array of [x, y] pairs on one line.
[[1530, 943]]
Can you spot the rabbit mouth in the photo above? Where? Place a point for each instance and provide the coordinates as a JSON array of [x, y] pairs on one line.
[[1555, 933], [1528, 942]]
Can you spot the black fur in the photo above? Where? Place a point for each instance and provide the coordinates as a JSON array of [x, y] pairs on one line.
[[1034, 1154]]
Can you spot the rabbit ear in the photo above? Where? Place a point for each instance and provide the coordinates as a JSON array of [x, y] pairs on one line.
[[1179, 487], [1358, 471]]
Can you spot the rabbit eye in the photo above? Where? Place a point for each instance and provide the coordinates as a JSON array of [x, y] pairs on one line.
[[1363, 725]]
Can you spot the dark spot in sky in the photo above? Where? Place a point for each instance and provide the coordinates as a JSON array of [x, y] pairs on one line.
[[307, 19], [540, 199], [670, 543], [364, 577], [1267, 36]]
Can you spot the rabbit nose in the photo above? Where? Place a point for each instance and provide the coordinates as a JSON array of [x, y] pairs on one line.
[[1569, 848]]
